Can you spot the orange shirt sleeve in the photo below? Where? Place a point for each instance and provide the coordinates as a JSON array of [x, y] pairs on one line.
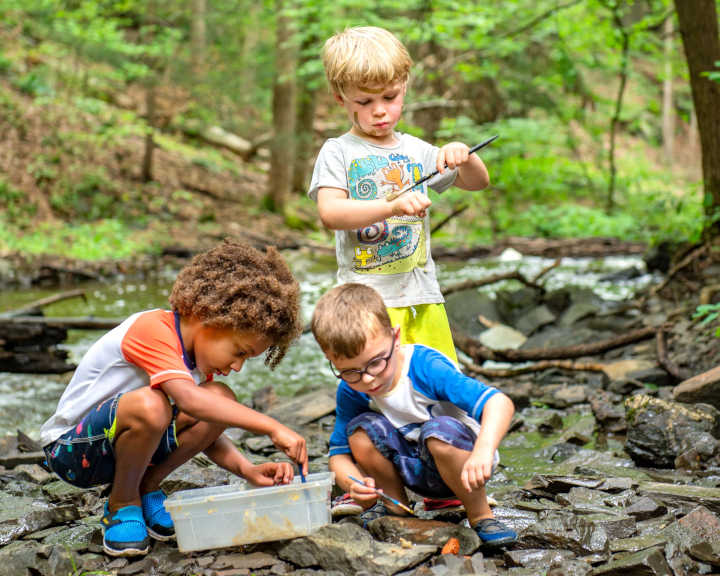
[[152, 344]]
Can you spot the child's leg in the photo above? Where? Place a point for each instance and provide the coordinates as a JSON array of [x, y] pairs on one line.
[[193, 437], [375, 445], [143, 416], [449, 443]]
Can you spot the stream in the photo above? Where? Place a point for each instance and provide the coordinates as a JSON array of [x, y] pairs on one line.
[[27, 400]]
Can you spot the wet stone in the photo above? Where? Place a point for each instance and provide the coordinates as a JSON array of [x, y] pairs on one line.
[[252, 561], [615, 526], [637, 543], [645, 508], [536, 557], [565, 531], [350, 549], [18, 557], [395, 529], [682, 496], [650, 562]]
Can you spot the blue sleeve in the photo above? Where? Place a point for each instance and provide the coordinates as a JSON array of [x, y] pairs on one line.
[[435, 376], [348, 405]]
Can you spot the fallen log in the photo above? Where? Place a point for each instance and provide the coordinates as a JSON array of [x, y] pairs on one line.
[[480, 353], [546, 248], [37, 305], [568, 365], [48, 361], [69, 323]]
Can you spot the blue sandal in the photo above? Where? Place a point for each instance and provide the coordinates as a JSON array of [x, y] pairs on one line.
[[124, 532], [159, 523]]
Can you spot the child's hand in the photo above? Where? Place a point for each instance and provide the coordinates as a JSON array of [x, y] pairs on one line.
[[411, 204], [476, 471], [270, 474], [364, 495], [453, 154], [292, 444]]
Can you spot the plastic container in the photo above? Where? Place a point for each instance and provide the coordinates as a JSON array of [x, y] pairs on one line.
[[232, 515]]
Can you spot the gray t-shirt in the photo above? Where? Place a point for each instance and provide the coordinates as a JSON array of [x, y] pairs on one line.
[[392, 256]]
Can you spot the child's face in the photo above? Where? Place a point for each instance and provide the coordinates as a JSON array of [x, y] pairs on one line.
[[218, 351], [374, 113], [374, 378]]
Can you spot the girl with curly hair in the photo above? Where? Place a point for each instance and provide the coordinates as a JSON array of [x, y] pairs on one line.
[[144, 400]]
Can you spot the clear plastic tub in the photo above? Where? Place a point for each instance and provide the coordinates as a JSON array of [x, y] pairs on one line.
[[232, 515]]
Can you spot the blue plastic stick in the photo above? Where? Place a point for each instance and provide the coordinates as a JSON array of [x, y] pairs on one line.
[[383, 495]]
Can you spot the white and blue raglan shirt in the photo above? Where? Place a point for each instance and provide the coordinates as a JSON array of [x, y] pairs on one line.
[[430, 386]]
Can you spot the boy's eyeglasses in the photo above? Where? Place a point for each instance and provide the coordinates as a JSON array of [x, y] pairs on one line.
[[374, 367]]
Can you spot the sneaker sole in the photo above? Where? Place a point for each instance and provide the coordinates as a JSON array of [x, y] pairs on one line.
[[126, 551], [499, 542], [159, 537]]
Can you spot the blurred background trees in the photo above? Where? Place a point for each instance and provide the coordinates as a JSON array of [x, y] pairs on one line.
[[606, 127]]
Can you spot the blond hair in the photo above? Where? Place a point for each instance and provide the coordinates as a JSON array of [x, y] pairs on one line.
[[364, 57], [346, 317]]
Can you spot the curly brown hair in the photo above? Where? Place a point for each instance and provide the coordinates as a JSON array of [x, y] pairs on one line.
[[237, 286]]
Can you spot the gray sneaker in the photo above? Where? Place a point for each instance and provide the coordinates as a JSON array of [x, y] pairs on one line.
[[375, 511]]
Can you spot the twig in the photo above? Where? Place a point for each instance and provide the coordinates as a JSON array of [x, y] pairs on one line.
[[664, 360], [456, 212]]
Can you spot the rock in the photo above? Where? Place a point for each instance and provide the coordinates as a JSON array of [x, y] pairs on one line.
[[501, 337], [350, 549], [650, 562], [682, 496], [535, 319], [19, 558], [608, 410], [464, 308], [624, 368], [659, 431], [645, 508], [393, 529], [566, 531], [536, 558], [305, 408], [703, 388], [22, 515]]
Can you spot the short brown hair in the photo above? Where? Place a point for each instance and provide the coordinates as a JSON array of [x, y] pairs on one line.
[[237, 286], [346, 316], [364, 57]]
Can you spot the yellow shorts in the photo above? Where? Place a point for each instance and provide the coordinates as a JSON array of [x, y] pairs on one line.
[[425, 324]]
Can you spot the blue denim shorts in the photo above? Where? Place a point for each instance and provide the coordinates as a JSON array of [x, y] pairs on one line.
[[85, 456], [413, 460]]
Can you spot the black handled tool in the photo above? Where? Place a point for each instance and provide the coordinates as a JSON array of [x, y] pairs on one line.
[[392, 196]]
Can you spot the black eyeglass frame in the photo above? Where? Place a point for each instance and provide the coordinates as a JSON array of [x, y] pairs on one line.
[[361, 373]]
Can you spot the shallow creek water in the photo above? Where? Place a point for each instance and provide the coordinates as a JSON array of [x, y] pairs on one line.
[[26, 400]]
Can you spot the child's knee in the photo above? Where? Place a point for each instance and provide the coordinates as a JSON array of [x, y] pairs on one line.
[[360, 442], [145, 407]]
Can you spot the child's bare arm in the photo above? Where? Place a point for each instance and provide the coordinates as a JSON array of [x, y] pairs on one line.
[[472, 173], [496, 416], [225, 454], [344, 467], [207, 406], [338, 212]]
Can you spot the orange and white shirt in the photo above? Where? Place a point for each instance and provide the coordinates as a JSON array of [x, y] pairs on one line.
[[145, 350]]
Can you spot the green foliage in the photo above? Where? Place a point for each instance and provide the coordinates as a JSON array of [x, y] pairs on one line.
[[710, 313], [15, 206], [100, 240], [89, 195]]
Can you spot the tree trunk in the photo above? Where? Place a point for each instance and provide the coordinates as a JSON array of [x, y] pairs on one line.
[[197, 38], [304, 141], [668, 110], [698, 22], [147, 165], [283, 109], [615, 122]]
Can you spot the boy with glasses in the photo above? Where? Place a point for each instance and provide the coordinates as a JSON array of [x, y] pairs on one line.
[[406, 416]]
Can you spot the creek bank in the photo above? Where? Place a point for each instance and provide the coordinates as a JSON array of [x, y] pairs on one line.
[[595, 512]]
